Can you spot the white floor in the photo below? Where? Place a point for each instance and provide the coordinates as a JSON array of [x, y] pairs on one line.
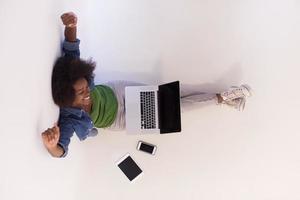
[[220, 154]]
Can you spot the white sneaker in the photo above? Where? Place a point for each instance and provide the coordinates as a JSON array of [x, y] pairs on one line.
[[235, 92], [238, 103]]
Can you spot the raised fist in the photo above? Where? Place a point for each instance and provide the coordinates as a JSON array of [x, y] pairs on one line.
[[69, 19], [51, 137]]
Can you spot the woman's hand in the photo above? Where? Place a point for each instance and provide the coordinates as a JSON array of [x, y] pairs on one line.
[[69, 19], [51, 137]]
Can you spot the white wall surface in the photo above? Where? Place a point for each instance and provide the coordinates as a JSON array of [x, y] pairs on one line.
[[221, 154]]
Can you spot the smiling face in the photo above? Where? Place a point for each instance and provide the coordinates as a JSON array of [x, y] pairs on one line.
[[82, 94]]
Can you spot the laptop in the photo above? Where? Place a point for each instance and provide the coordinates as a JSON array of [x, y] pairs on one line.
[[153, 109]]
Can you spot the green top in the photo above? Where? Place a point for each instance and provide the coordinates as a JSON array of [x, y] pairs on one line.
[[105, 106]]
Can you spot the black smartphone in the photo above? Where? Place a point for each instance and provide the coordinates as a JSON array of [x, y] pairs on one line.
[[146, 147]]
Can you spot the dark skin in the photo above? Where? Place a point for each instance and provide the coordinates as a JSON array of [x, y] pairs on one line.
[[82, 95], [82, 92], [70, 21]]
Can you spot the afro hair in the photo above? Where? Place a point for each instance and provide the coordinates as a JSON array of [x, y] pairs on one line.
[[66, 72]]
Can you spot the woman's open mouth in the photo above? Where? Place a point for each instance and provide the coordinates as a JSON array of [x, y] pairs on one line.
[[86, 98]]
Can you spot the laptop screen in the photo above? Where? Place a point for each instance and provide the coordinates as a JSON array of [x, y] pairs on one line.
[[169, 108]]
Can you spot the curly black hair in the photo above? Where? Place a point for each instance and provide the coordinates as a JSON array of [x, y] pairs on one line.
[[66, 72]]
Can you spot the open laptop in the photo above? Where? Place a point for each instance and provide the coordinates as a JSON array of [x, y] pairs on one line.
[[153, 109]]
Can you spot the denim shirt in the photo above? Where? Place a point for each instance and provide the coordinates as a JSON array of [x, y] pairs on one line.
[[74, 119]]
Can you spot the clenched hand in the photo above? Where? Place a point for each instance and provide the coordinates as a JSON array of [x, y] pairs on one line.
[[51, 137], [69, 19]]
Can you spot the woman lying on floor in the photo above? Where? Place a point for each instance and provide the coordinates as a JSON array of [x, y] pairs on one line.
[[84, 106]]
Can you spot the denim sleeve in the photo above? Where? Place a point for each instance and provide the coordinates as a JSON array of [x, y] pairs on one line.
[[66, 132], [71, 49]]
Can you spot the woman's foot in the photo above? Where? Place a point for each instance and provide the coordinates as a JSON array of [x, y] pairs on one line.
[[238, 103], [235, 92], [235, 97]]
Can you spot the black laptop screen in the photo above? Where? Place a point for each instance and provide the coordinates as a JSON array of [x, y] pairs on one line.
[[169, 108]]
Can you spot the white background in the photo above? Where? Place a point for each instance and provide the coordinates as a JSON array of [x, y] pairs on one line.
[[220, 154]]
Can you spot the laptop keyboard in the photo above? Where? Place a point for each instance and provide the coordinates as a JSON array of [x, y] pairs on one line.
[[148, 110]]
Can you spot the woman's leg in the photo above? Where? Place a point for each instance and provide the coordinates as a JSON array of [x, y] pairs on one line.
[[234, 97], [192, 98]]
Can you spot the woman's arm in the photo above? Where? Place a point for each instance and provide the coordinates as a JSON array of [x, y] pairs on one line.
[[70, 21], [71, 43], [56, 151]]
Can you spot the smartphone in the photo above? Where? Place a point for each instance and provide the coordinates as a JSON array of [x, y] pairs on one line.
[[146, 147]]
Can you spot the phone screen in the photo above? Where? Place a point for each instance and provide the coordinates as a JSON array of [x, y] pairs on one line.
[[146, 148]]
